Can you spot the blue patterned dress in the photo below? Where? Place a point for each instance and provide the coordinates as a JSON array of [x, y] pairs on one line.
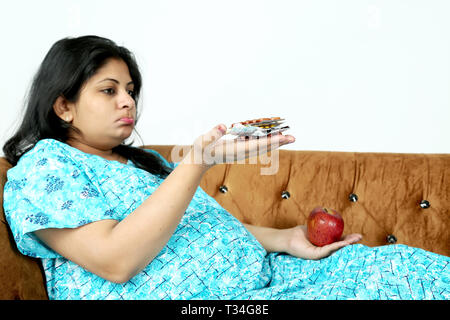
[[210, 256]]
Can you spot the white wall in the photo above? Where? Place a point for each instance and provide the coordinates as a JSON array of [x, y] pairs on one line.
[[368, 76]]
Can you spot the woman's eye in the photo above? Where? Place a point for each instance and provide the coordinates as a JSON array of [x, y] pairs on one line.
[[111, 91], [108, 91]]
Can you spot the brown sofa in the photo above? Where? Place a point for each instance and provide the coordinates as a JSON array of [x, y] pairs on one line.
[[389, 198]]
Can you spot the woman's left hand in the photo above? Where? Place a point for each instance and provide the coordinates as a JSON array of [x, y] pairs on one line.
[[300, 246]]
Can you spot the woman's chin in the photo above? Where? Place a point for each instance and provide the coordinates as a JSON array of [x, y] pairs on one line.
[[125, 132]]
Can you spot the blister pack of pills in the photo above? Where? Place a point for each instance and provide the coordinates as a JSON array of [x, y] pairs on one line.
[[262, 127]]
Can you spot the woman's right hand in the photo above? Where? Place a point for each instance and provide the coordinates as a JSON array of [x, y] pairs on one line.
[[209, 149]]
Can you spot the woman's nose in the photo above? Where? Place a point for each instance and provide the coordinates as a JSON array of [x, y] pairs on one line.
[[126, 101]]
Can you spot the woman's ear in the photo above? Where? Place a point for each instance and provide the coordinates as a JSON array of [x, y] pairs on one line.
[[62, 109]]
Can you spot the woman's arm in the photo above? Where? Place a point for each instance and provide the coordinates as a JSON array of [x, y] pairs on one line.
[[117, 251], [295, 242], [273, 240]]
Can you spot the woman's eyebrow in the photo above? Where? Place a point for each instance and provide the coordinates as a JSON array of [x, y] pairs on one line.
[[114, 80]]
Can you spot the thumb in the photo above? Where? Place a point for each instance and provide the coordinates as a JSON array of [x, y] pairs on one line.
[[203, 147], [213, 135], [221, 128], [331, 248]]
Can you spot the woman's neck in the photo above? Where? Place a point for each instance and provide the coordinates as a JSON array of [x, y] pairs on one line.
[[105, 152]]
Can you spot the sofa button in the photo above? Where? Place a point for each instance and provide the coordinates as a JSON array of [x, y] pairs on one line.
[[424, 204], [391, 239], [223, 189], [285, 194], [353, 197]]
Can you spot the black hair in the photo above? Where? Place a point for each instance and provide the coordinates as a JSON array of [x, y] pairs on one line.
[[69, 63]]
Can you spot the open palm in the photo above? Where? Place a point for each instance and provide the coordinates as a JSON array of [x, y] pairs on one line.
[[301, 247], [210, 149]]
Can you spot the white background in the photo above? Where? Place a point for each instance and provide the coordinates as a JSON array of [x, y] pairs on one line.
[[360, 75]]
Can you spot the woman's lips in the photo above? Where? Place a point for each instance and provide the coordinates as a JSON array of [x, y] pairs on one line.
[[127, 120]]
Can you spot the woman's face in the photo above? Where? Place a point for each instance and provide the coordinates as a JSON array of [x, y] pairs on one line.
[[105, 111]]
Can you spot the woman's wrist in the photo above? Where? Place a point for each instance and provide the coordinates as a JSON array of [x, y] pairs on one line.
[[194, 159], [285, 238], [273, 240], [292, 234]]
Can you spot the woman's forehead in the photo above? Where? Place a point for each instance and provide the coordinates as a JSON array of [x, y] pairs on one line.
[[113, 69]]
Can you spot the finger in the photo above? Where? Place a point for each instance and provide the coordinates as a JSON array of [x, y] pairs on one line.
[[285, 139], [336, 246], [266, 144], [211, 136], [326, 250], [281, 139], [238, 149], [215, 133], [352, 238]]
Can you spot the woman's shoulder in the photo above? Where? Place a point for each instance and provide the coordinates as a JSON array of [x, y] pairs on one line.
[[45, 153], [45, 148]]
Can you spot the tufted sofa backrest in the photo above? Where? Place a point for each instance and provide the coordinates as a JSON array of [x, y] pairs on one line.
[[387, 197]]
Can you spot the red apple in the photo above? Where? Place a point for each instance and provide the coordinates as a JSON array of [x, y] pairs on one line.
[[324, 226]]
